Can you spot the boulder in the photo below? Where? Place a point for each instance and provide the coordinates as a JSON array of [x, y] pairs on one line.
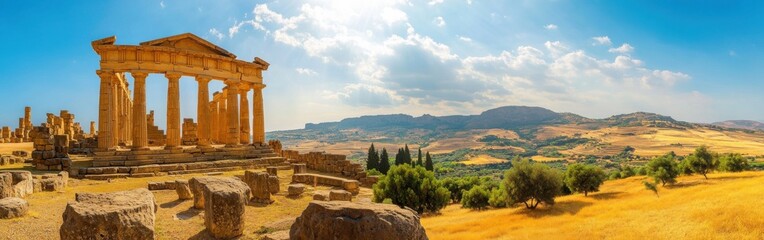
[[224, 207], [13, 207], [197, 188], [321, 196], [183, 190], [258, 184], [23, 184], [349, 220], [340, 195], [273, 184], [6, 185], [296, 189], [116, 215]]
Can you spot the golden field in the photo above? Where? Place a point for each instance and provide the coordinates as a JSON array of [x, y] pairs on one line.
[[482, 159], [727, 206], [174, 219]]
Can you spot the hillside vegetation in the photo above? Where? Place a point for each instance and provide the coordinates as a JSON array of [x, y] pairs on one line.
[[723, 207]]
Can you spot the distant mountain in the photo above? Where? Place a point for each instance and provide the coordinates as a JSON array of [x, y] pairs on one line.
[[508, 117], [742, 124]]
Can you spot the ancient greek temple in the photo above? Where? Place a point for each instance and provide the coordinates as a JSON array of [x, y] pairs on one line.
[[223, 133], [224, 120]]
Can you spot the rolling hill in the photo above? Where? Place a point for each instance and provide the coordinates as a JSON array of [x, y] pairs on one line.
[[525, 131]]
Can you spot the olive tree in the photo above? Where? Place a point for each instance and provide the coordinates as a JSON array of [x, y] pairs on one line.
[[702, 161], [412, 187], [532, 183], [584, 178], [663, 169], [733, 162]]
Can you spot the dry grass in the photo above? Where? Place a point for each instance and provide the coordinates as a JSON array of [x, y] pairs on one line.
[[8, 148], [174, 219], [482, 159], [540, 158], [724, 207]]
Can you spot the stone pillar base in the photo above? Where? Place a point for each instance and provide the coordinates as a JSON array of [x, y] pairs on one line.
[[172, 147]]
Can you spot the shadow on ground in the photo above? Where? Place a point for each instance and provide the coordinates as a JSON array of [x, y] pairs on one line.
[[567, 207]]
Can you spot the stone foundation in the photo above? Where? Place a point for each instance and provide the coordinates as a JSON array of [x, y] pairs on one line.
[[330, 163]]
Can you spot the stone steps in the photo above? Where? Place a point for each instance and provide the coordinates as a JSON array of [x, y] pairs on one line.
[[104, 173]]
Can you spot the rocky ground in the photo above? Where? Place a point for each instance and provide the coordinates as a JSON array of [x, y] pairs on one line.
[[174, 219]]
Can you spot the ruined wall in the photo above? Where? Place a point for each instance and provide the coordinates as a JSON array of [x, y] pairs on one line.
[[156, 136], [330, 163], [189, 132], [51, 152]]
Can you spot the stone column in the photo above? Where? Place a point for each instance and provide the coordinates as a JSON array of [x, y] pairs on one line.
[[244, 113], [140, 131], [104, 108], [92, 128], [203, 112], [232, 109], [222, 116], [114, 111], [120, 114], [258, 116], [173, 111], [214, 121]]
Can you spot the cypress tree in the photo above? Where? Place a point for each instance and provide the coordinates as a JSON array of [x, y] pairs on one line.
[[399, 157], [407, 155], [419, 158], [428, 162], [384, 162], [372, 159]]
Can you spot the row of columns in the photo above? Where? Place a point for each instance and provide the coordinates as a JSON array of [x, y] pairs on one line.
[[218, 121]]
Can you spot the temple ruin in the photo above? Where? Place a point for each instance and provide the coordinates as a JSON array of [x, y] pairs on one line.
[[126, 134]]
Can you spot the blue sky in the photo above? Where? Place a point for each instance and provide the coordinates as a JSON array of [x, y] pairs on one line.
[[698, 61]]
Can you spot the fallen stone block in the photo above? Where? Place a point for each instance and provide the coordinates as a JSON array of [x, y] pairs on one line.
[[183, 189], [258, 184], [224, 207], [116, 215], [273, 184], [296, 189], [13, 207], [340, 195]]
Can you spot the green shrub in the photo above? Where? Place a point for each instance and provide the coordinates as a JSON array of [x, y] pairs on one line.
[[663, 169], [733, 162], [584, 178], [373, 172], [532, 183], [498, 198], [476, 198], [412, 187], [627, 171]]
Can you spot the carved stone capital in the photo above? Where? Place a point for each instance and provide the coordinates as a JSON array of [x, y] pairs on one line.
[[173, 76]]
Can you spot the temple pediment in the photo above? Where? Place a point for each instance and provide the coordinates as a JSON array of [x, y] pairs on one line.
[[190, 42]]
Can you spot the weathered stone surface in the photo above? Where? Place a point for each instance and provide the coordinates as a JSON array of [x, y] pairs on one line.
[[273, 171], [13, 207], [280, 235], [197, 188], [183, 189], [349, 220], [340, 195], [273, 184], [224, 207], [116, 215], [157, 186], [296, 189], [299, 168], [23, 184], [258, 184], [321, 196], [6, 185]]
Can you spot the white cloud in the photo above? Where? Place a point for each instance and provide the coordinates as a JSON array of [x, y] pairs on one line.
[[551, 27], [390, 64], [623, 49], [434, 2], [439, 21], [216, 33], [602, 40], [161, 4], [305, 71]]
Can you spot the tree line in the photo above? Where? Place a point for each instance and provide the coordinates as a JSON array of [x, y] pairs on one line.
[[380, 161]]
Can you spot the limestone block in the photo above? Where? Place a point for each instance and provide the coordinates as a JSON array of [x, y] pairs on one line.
[[300, 168], [23, 184], [296, 189], [273, 171], [340, 195], [224, 207], [170, 185], [258, 184], [273, 184], [116, 215], [6, 185], [349, 220], [183, 189], [321, 196], [64, 175], [13, 207], [157, 186]]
